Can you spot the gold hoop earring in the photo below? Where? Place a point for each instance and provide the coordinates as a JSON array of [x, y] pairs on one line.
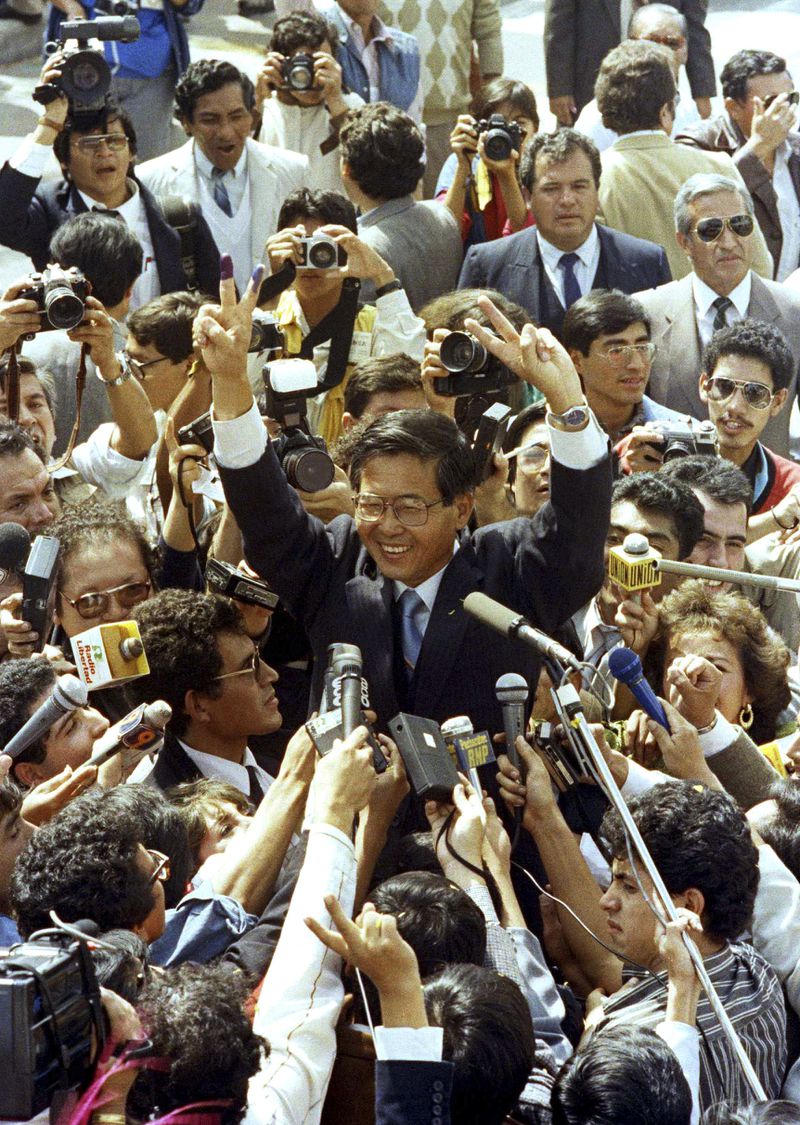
[[746, 717]]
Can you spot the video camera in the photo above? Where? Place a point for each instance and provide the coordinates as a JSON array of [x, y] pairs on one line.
[[686, 439], [222, 578], [502, 137], [474, 370], [85, 75], [303, 456], [60, 296]]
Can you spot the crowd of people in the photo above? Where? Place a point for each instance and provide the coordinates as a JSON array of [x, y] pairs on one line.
[[273, 404]]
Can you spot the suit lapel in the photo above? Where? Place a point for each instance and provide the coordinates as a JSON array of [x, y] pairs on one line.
[[762, 304], [369, 607], [265, 192], [684, 353], [612, 7]]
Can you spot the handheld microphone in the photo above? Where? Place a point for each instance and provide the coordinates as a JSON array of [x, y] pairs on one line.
[[346, 664], [110, 654], [68, 695], [39, 586], [513, 625], [140, 730], [512, 694], [470, 748], [15, 543], [626, 667]]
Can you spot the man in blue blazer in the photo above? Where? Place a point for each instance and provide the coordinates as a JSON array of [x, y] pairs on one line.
[[546, 268]]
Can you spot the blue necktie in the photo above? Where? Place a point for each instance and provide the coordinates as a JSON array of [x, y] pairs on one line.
[[221, 197], [410, 633], [572, 291]]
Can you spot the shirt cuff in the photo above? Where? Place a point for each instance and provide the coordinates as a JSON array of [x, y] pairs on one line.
[[639, 779], [31, 159], [581, 449], [411, 1044], [240, 442], [722, 735]]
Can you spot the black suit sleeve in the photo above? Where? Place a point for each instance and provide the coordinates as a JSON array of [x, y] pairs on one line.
[[24, 223], [412, 1093], [207, 258], [700, 64]]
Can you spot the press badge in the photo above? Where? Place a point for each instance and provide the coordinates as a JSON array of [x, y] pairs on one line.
[[360, 348]]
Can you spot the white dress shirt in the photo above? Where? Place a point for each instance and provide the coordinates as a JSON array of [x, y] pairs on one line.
[[704, 298], [220, 769], [585, 270]]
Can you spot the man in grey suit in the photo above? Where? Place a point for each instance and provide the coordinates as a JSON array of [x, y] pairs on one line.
[[577, 36], [714, 226]]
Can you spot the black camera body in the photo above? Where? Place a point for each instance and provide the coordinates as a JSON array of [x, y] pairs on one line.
[[225, 579], [489, 438], [51, 1022], [687, 439], [474, 370], [298, 73], [303, 456], [319, 252], [502, 137], [60, 296], [265, 335], [85, 75], [198, 432]]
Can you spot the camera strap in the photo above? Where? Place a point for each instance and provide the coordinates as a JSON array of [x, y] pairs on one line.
[[80, 383], [337, 327], [274, 285], [12, 384]]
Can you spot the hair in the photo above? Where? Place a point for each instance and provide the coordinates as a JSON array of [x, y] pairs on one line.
[[195, 1017], [86, 123], [124, 968], [757, 1113], [83, 864], [534, 412], [752, 339], [10, 799], [719, 479], [450, 310], [623, 1074], [98, 521], [166, 323], [104, 249], [383, 149], [699, 838], [206, 76], [602, 312], [743, 66], [636, 80], [488, 1036], [781, 830], [326, 206], [654, 492], [22, 682], [162, 827], [202, 800], [416, 852], [179, 631], [700, 184], [380, 375], [506, 91], [301, 29], [557, 148], [439, 921], [641, 16], [14, 441], [695, 607], [26, 366], [426, 435]]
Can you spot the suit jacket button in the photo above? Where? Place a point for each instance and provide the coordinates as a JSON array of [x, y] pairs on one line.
[[438, 1085]]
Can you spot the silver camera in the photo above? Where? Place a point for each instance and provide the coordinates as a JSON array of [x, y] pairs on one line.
[[320, 252]]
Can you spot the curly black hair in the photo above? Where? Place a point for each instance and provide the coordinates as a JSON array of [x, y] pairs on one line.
[[179, 630], [743, 66], [195, 1017], [653, 492], [301, 29], [327, 206], [752, 339], [83, 864], [206, 76], [383, 149], [698, 838], [98, 521], [557, 148]]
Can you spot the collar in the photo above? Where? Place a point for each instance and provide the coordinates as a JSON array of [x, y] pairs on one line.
[[428, 589], [652, 138], [131, 203], [384, 210], [551, 254], [210, 765], [756, 469], [380, 32], [704, 295], [206, 168]]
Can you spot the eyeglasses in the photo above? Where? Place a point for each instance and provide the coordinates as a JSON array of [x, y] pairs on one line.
[[709, 230], [409, 511], [138, 367], [757, 395], [252, 668], [96, 602], [161, 872], [793, 99], [115, 141], [531, 459], [618, 355]]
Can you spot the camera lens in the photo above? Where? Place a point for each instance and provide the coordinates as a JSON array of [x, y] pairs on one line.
[[81, 75], [497, 144], [461, 352], [63, 308], [676, 449], [308, 468], [322, 256], [301, 76]]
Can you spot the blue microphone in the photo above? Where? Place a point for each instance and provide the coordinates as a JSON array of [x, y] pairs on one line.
[[626, 667]]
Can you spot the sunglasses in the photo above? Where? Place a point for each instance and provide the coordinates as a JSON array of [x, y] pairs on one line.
[[709, 230], [793, 98], [757, 395], [252, 668], [116, 141], [96, 602], [161, 871]]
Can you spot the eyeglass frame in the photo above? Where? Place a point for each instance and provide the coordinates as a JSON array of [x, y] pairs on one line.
[[138, 367], [254, 667], [740, 384], [624, 351], [726, 224], [92, 141], [391, 504], [162, 870], [104, 593]]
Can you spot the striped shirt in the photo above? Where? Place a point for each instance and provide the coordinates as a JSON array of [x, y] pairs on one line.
[[753, 999]]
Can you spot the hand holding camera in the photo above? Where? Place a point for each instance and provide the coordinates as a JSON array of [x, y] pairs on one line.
[[19, 316], [361, 260], [50, 79], [464, 138], [96, 331]]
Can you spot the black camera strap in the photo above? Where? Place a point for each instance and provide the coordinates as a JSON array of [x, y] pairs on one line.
[[12, 385], [337, 327], [274, 285]]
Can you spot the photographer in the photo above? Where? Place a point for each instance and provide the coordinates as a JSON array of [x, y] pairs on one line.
[[299, 93], [96, 154], [383, 328], [482, 191]]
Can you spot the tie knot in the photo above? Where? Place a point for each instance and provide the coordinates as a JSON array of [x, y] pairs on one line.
[[568, 261], [722, 304], [410, 602], [218, 173]]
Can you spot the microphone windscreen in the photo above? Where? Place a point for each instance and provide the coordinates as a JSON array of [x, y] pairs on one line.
[[158, 713], [511, 688], [70, 692], [15, 543], [624, 665], [491, 613]]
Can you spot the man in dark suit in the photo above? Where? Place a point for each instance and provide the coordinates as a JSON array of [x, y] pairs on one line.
[[757, 131], [546, 268], [577, 37], [392, 581], [96, 158]]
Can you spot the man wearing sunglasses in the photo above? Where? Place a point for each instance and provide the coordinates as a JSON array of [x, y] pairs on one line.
[[757, 129], [715, 229]]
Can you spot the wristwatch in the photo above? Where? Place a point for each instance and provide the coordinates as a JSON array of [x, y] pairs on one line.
[[389, 287], [576, 418], [125, 374]]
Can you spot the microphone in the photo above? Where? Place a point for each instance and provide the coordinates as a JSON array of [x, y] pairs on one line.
[[634, 565], [110, 654], [626, 667], [514, 626], [39, 586], [140, 730], [471, 749], [68, 695], [512, 694], [15, 543], [346, 666]]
